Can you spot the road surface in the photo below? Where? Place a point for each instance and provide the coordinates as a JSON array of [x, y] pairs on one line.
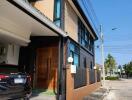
[[119, 90]]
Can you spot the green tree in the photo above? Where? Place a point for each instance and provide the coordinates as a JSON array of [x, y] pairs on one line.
[[128, 69], [110, 64]]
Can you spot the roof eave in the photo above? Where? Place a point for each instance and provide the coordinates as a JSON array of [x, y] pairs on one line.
[[85, 18], [26, 7]]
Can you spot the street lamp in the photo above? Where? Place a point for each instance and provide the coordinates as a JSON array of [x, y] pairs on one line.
[[114, 28], [102, 52], [95, 67]]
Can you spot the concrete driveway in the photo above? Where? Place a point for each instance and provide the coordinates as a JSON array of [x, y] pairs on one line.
[[43, 97], [119, 90]]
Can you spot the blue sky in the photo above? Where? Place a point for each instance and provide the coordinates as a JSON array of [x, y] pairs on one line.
[[113, 14]]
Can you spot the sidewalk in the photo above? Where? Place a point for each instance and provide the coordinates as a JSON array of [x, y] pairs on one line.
[[97, 95]]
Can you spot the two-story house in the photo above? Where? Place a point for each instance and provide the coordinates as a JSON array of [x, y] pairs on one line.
[[46, 33]]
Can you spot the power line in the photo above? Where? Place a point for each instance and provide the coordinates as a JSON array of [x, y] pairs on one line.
[[94, 14], [120, 53], [122, 45], [91, 18]]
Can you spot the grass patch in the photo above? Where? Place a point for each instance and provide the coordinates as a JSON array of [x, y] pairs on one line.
[[44, 92]]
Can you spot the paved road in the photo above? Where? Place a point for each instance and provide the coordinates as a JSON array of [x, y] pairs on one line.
[[119, 90]]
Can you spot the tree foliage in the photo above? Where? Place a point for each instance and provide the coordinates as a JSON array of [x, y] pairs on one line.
[[110, 64], [128, 68]]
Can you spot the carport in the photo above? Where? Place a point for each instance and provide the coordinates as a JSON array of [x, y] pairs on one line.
[[20, 22]]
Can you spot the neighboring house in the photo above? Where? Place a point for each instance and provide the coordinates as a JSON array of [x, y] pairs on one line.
[[45, 33], [113, 72]]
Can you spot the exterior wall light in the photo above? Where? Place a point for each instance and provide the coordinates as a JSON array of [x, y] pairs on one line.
[[100, 69], [95, 67], [70, 59]]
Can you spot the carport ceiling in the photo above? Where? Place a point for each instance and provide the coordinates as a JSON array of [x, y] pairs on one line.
[[27, 23]]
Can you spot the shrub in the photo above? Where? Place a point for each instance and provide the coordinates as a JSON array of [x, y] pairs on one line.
[[112, 78]]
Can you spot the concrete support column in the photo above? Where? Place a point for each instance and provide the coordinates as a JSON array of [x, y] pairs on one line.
[[95, 72], [69, 83], [87, 69]]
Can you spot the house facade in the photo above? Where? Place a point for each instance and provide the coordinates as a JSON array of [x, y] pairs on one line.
[[40, 35]]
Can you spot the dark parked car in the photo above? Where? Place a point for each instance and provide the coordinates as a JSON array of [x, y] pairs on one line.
[[14, 84]]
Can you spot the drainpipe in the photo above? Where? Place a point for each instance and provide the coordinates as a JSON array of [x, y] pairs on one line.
[[60, 85], [58, 73], [59, 70], [61, 74]]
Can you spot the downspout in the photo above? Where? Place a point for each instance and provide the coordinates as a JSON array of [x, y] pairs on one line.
[[59, 70], [62, 71], [61, 74], [60, 80]]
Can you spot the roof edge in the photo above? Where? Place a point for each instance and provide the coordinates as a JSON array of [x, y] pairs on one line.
[[85, 18], [31, 11]]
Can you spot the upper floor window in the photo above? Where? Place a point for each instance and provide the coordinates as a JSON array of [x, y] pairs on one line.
[[84, 37], [84, 62], [57, 12], [91, 65], [91, 44]]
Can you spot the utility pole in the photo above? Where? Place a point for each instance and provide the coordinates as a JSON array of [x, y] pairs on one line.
[[102, 54]]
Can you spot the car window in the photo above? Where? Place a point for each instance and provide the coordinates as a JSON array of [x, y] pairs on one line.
[[8, 69]]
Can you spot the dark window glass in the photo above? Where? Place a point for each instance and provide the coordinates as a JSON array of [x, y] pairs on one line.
[[76, 60], [72, 47], [83, 34], [91, 65], [57, 22], [84, 62], [57, 13], [74, 53], [91, 45], [83, 42]]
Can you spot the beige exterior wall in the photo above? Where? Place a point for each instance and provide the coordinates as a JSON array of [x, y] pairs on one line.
[[71, 22], [81, 18], [46, 7]]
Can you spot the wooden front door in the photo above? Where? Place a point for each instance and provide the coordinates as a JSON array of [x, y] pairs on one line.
[[47, 62]]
